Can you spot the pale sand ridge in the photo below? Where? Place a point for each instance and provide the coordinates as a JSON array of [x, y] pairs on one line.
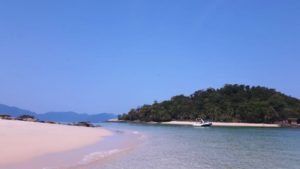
[[21, 141]]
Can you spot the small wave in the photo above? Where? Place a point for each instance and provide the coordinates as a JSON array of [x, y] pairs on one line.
[[98, 155], [135, 132], [50, 168]]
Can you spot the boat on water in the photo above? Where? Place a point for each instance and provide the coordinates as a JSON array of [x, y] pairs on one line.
[[202, 123]]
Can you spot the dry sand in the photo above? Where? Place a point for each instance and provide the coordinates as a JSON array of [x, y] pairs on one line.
[[224, 124], [21, 141]]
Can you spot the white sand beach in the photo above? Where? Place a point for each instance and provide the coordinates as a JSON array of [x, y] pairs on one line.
[[232, 124], [224, 124], [216, 124], [21, 141]]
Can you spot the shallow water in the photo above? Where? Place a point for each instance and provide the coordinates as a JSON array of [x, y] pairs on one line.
[[169, 147]]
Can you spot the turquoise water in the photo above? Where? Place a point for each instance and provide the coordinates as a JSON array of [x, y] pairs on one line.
[[169, 147]]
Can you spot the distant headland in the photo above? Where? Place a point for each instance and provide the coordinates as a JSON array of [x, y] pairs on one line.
[[231, 103], [69, 116]]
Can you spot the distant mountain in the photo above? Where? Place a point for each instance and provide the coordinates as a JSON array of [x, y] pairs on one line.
[[56, 116], [74, 117], [14, 111]]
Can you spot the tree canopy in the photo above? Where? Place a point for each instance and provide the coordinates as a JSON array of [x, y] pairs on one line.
[[231, 103]]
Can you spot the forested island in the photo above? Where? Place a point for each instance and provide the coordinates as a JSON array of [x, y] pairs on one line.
[[231, 103]]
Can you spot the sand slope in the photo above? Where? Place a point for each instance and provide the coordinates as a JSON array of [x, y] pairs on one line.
[[20, 141]]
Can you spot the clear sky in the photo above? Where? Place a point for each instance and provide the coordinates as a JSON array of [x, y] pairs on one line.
[[110, 56]]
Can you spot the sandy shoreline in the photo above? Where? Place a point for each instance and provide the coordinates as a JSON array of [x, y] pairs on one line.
[[21, 141], [216, 124], [224, 124]]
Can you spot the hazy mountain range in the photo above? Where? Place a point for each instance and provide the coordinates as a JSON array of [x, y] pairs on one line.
[[56, 116]]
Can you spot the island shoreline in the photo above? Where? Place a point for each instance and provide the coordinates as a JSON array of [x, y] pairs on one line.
[[190, 123]]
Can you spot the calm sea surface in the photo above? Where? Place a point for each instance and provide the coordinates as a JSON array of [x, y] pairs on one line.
[[179, 147]]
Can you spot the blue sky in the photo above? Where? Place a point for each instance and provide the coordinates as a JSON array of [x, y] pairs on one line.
[[110, 56]]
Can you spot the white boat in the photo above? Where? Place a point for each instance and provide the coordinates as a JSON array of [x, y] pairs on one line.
[[202, 123]]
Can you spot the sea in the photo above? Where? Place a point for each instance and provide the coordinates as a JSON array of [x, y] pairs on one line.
[[186, 147]]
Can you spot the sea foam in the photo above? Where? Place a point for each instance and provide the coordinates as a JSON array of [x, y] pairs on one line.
[[98, 155]]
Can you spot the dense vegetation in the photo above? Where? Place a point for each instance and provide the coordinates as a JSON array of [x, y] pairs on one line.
[[238, 103]]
